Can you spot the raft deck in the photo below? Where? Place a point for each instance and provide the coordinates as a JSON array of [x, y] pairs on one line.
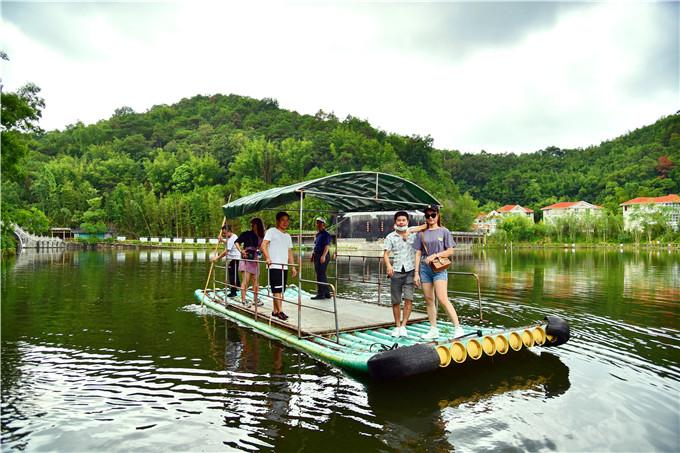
[[352, 314]]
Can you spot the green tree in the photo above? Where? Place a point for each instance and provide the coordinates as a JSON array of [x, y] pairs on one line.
[[517, 228], [458, 214], [94, 218], [21, 112], [32, 220]]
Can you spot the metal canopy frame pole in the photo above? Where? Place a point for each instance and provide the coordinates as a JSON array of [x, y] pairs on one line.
[[376, 185], [299, 314], [337, 240]]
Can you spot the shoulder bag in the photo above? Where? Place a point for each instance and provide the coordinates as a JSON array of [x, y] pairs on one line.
[[438, 264]]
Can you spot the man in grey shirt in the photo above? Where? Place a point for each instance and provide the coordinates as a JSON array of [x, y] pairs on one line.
[[401, 273]]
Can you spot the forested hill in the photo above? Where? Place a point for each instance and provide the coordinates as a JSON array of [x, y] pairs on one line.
[[167, 171], [644, 162]]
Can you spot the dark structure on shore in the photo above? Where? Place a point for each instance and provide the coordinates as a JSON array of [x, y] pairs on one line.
[[372, 225]]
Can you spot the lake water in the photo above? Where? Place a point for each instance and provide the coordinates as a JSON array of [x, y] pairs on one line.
[[109, 351]]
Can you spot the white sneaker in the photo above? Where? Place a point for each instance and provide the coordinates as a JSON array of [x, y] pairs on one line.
[[396, 333], [459, 332], [404, 332], [433, 334]]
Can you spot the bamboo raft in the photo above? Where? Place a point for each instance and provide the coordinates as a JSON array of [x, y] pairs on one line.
[[355, 335], [364, 344]]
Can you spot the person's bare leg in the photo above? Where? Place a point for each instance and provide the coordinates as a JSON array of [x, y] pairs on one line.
[[440, 288], [408, 306], [428, 292], [256, 287], [244, 286], [396, 312], [277, 302]]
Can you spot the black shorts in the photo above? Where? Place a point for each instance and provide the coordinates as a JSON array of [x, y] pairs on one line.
[[278, 278]]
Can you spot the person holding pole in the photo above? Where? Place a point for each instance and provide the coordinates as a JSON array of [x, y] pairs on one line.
[[320, 258], [232, 252], [277, 248]]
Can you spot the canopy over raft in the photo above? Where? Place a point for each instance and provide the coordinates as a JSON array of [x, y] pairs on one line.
[[362, 343], [353, 191]]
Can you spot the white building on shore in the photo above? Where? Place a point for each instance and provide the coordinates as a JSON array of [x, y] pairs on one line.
[[515, 209], [576, 209], [488, 223], [648, 210]]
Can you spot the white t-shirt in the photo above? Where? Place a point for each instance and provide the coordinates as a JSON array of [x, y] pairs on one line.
[[279, 244], [232, 252]]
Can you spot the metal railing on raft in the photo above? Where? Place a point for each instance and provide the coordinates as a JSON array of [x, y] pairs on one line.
[[363, 279], [269, 294], [381, 279]]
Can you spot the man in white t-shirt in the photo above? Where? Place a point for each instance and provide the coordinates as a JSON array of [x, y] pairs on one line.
[[233, 254], [277, 248]]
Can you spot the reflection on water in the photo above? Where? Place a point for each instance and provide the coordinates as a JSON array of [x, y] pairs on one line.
[[468, 402], [109, 351]]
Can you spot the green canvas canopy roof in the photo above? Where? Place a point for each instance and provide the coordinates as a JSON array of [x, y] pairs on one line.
[[345, 192]]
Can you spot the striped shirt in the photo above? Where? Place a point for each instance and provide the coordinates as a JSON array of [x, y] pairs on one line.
[[402, 250]]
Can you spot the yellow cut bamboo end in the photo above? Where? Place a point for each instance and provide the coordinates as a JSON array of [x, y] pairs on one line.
[[444, 355], [474, 349], [502, 344], [489, 345], [515, 341], [539, 335], [458, 352]]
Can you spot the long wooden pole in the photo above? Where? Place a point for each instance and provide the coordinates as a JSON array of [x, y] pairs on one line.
[[299, 307], [212, 264]]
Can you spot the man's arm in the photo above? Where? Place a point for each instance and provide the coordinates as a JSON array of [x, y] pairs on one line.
[[291, 260], [265, 252], [418, 229], [326, 248], [388, 265], [416, 277], [324, 254], [220, 256]]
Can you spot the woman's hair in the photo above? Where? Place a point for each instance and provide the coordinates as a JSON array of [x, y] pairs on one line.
[[259, 226]]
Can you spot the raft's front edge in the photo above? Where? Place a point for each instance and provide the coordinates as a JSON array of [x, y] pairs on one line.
[[353, 362]]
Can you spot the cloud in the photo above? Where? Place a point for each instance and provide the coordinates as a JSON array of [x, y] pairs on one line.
[[577, 89], [65, 26], [493, 76], [450, 31], [659, 65]]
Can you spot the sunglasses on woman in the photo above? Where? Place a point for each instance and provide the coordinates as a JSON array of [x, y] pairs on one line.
[[431, 215]]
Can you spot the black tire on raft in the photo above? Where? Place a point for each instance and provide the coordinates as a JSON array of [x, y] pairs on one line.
[[557, 328], [403, 362]]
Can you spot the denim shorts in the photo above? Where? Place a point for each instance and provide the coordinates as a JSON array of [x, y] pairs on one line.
[[427, 275]]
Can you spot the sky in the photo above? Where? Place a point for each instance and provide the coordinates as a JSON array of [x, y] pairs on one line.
[[493, 76]]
